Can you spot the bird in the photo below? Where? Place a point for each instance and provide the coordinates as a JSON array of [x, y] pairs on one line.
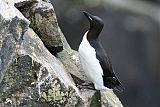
[[94, 59]]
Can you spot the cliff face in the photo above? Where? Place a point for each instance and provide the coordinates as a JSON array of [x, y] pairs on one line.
[[29, 74]]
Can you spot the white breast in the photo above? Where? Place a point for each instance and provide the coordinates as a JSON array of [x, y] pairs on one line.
[[91, 64]]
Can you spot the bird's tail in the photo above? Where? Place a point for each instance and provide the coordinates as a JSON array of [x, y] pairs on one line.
[[119, 88]]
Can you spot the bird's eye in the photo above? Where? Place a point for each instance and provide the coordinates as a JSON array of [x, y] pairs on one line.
[[114, 78]]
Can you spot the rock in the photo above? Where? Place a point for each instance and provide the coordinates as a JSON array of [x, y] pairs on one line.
[[29, 74], [12, 27], [44, 23], [35, 77], [70, 60], [109, 99]]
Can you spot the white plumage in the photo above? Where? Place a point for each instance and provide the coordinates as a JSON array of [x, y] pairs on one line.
[[90, 64]]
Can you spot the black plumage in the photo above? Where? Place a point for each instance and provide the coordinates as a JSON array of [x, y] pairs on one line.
[[109, 78]]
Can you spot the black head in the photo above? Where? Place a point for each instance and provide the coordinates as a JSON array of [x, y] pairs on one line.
[[96, 26]]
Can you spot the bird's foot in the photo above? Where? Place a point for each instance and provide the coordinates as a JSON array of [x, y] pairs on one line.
[[86, 86]]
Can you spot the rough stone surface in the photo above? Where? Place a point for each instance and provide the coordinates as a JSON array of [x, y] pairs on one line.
[[12, 27], [35, 77], [70, 59], [44, 23], [30, 76], [109, 99]]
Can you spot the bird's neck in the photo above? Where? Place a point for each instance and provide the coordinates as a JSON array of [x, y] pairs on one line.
[[93, 34]]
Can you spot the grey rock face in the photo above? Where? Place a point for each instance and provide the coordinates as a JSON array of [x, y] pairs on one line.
[[12, 27], [37, 76], [30, 76]]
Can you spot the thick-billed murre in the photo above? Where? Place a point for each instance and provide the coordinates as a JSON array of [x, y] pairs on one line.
[[94, 60]]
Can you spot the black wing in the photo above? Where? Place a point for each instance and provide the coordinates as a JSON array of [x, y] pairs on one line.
[[109, 77]]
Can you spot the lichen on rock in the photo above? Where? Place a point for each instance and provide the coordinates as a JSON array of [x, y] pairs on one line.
[[39, 71]]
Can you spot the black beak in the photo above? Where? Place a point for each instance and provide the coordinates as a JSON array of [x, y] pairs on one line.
[[88, 15]]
